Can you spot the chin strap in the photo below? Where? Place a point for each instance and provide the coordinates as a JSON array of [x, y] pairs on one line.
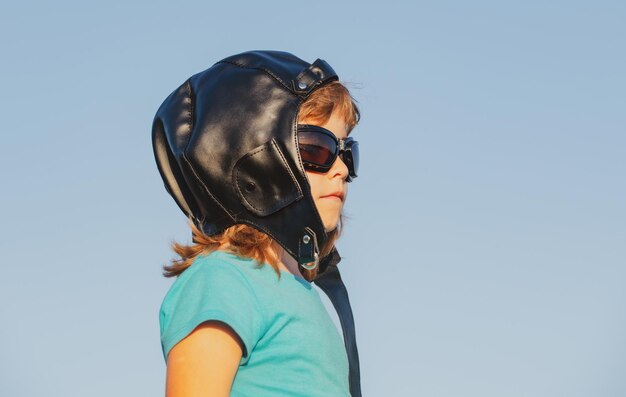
[[330, 282], [308, 249]]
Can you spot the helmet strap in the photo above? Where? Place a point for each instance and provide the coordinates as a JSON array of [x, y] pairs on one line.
[[308, 250]]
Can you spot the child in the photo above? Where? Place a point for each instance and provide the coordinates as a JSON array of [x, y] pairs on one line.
[[255, 150]]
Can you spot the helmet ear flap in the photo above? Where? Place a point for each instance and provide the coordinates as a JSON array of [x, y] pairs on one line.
[[170, 171], [263, 180]]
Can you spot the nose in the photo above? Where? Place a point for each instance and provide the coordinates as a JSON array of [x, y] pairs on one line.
[[339, 168]]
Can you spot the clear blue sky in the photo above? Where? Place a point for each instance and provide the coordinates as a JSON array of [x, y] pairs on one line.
[[486, 251]]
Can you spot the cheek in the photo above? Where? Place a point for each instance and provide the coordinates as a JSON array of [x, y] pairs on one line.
[[314, 182]]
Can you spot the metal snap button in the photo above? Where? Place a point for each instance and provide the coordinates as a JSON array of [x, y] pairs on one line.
[[306, 239], [301, 85]]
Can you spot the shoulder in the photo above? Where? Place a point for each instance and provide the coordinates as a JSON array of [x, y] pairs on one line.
[[212, 288]]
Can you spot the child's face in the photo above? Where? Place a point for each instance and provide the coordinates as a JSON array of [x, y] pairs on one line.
[[323, 185]]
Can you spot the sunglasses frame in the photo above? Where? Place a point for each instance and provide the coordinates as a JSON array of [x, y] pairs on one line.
[[343, 148]]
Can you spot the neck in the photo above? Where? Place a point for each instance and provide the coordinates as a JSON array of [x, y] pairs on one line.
[[286, 262]]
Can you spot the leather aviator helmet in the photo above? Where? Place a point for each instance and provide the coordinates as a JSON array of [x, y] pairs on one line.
[[225, 143]]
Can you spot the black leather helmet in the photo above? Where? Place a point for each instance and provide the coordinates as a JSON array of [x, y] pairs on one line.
[[226, 147]]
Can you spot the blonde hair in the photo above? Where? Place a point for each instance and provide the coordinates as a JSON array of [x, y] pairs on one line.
[[244, 240]]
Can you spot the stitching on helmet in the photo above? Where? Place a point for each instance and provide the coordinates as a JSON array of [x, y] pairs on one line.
[[205, 188], [184, 155], [282, 157], [278, 204], [268, 72]]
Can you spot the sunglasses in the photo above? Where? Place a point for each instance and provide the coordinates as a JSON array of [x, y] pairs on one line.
[[319, 148]]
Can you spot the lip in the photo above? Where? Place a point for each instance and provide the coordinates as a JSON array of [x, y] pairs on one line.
[[338, 195]]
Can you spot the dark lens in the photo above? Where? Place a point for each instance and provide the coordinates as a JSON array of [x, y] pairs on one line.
[[351, 157], [316, 148], [354, 150]]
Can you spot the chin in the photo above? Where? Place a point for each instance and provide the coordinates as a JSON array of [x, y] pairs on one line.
[[330, 227]]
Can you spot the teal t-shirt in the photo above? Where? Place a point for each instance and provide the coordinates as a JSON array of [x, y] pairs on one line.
[[292, 347]]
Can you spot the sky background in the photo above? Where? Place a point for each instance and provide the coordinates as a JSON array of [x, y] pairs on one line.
[[485, 254]]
